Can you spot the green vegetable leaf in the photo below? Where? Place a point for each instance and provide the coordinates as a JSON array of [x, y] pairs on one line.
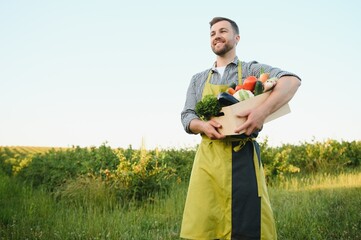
[[208, 107]]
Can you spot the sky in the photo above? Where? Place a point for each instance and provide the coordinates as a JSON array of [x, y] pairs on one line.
[[87, 73]]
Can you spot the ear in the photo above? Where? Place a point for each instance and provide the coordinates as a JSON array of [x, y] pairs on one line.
[[238, 37]]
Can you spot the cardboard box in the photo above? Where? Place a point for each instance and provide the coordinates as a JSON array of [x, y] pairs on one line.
[[230, 121]]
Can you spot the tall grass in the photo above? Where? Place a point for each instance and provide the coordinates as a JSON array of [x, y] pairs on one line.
[[321, 206], [34, 214], [317, 207]]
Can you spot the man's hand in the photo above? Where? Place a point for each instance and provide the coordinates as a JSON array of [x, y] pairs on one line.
[[255, 120], [209, 128], [284, 90]]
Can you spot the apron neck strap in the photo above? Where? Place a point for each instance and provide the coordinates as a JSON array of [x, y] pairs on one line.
[[239, 72]]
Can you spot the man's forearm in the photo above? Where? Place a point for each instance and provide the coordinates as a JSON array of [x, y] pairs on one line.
[[283, 92]]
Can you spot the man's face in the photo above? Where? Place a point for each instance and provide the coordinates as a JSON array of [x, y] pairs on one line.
[[223, 38]]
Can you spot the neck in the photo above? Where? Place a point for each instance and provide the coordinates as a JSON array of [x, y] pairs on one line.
[[225, 59]]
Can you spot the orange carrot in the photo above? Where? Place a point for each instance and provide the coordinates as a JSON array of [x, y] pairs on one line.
[[263, 77]]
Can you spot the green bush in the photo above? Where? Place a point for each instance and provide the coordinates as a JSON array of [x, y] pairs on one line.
[[51, 169], [353, 153], [313, 157], [277, 161], [181, 160], [131, 174], [139, 174]]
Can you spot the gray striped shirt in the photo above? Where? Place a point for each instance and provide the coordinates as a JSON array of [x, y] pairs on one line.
[[195, 89]]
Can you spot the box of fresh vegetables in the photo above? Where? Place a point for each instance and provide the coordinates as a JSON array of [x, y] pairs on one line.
[[225, 107]]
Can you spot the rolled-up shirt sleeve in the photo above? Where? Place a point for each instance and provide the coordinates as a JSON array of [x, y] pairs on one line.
[[254, 68], [188, 113]]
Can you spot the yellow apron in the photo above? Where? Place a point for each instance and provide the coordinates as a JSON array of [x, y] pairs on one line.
[[227, 195]]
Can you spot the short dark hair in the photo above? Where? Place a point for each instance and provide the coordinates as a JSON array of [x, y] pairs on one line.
[[218, 19]]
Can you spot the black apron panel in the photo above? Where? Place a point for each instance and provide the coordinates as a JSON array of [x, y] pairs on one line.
[[246, 205]]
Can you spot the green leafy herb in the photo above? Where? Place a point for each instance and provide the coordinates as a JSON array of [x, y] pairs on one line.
[[208, 107]]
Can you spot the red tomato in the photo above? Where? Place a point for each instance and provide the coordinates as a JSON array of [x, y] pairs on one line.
[[249, 83]]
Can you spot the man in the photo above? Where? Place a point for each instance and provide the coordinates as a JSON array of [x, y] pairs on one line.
[[227, 196]]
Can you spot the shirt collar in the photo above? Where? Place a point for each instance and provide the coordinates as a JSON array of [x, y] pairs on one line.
[[235, 62]]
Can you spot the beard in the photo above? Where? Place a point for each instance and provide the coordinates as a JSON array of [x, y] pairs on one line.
[[222, 51]]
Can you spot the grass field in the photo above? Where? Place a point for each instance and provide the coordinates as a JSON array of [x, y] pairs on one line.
[[315, 207], [318, 207]]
